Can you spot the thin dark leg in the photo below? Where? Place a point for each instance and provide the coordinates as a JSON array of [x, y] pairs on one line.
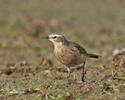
[[83, 72]]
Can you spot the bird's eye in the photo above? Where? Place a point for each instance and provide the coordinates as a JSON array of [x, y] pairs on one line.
[[54, 37]]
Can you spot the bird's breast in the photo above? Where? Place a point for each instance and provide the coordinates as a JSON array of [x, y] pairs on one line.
[[67, 56]]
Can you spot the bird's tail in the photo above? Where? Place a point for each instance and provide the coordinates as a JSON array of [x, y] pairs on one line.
[[93, 55]]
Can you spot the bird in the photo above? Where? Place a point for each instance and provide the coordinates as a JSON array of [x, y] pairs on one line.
[[69, 53]]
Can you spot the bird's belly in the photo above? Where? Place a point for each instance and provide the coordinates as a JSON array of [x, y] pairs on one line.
[[69, 58]]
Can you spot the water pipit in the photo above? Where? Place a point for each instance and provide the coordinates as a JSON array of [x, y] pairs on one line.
[[69, 53]]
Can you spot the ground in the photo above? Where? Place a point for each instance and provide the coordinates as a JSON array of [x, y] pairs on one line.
[[28, 68]]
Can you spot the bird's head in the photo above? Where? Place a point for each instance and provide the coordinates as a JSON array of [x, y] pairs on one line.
[[56, 38]]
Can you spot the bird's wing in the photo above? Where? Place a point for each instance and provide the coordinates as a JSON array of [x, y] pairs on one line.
[[81, 51], [78, 48]]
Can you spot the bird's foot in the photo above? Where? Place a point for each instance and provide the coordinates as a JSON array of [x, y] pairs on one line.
[[83, 76]]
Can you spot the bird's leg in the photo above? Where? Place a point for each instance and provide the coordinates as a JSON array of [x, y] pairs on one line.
[[83, 72], [68, 70]]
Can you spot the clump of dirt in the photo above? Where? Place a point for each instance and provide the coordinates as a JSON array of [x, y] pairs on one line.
[[47, 62], [119, 58]]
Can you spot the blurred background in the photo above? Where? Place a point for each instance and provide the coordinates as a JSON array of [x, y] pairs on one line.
[[97, 25]]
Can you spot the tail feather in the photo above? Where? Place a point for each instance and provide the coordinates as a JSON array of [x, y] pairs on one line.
[[93, 55]]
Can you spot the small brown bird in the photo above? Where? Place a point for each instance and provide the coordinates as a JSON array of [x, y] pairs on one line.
[[69, 53]]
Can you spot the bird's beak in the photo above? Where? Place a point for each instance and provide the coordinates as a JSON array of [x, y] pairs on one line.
[[45, 37]]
